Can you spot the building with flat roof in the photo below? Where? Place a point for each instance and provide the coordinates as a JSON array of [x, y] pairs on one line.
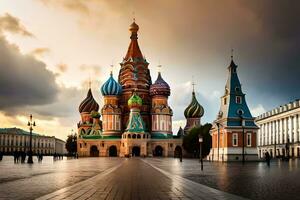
[[16, 139], [279, 132]]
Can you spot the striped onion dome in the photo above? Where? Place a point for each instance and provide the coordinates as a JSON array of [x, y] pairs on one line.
[[194, 110], [160, 87], [88, 104], [111, 87]]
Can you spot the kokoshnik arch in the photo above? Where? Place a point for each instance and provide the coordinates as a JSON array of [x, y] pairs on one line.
[[136, 117]]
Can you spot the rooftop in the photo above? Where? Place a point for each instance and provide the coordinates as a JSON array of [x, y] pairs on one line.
[[281, 109], [19, 131]]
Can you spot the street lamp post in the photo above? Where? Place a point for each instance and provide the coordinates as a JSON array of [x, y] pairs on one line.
[[200, 151], [30, 124]]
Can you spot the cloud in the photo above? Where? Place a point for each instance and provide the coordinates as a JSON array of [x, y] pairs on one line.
[[92, 69], [40, 51], [12, 24], [24, 80], [79, 6], [258, 110], [62, 67]]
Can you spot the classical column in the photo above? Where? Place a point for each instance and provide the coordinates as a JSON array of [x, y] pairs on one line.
[[290, 129], [270, 132], [265, 134], [298, 130], [295, 128], [285, 130], [262, 135]]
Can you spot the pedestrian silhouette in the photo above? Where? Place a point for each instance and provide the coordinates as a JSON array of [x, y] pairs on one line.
[[268, 158]]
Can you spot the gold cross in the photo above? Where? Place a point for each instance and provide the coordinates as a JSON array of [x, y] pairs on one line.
[[159, 67], [111, 69], [193, 83]]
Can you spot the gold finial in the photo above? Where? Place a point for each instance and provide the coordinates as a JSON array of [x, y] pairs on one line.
[[133, 14], [159, 68], [90, 82], [193, 84], [111, 69]]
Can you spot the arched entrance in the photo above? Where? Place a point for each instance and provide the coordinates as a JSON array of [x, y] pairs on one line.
[[177, 152], [136, 151], [113, 151], [158, 151], [94, 152]]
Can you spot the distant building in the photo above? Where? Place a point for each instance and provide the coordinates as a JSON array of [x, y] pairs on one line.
[[15, 139], [279, 132], [234, 130]]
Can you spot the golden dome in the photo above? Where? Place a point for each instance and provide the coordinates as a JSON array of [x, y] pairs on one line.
[[134, 27]]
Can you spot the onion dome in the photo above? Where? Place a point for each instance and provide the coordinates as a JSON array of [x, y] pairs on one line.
[[88, 104], [111, 87], [134, 27], [135, 101], [160, 87], [194, 110]]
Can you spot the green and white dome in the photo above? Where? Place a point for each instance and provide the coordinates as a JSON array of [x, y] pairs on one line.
[[194, 110]]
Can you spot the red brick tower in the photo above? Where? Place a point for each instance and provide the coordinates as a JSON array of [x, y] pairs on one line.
[[135, 76]]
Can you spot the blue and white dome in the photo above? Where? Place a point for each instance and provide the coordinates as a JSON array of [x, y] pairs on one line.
[[111, 87]]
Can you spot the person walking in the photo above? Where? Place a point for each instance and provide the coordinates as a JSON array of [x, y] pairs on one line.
[[268, 158]]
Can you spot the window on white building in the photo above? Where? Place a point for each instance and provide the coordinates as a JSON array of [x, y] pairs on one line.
[[234, 139], [225, 101], [249, 139]]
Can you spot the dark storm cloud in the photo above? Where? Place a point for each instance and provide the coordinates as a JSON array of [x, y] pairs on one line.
[[13, 25], [276, 53], [24, 80]]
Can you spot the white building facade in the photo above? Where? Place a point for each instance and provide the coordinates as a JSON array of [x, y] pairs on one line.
[[15, 139], [279, 132]]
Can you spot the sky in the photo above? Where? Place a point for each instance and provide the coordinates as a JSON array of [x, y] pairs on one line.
[[49, 50]]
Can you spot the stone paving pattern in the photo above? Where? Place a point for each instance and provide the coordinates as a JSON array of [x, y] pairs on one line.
[[137, 179], [147, 178]]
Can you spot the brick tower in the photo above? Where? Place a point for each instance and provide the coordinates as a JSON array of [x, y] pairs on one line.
[[134, 76]]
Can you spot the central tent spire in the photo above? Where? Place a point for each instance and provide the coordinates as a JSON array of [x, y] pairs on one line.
[[133, 49], [134, 75]]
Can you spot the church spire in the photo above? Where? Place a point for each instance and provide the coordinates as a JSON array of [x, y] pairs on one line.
[[134, 49]]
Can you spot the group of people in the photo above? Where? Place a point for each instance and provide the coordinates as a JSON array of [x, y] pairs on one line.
[[19, 156], [39, 157], [57, 156]]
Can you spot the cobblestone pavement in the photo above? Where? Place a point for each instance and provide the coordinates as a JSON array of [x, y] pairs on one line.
[[24, 181], [149, 178], [254, 180], [137, 179]]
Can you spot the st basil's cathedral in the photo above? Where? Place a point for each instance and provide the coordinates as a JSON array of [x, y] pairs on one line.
[[136, 119]]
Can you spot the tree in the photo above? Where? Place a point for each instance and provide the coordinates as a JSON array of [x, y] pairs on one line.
[[71, 144], [191, 140]]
